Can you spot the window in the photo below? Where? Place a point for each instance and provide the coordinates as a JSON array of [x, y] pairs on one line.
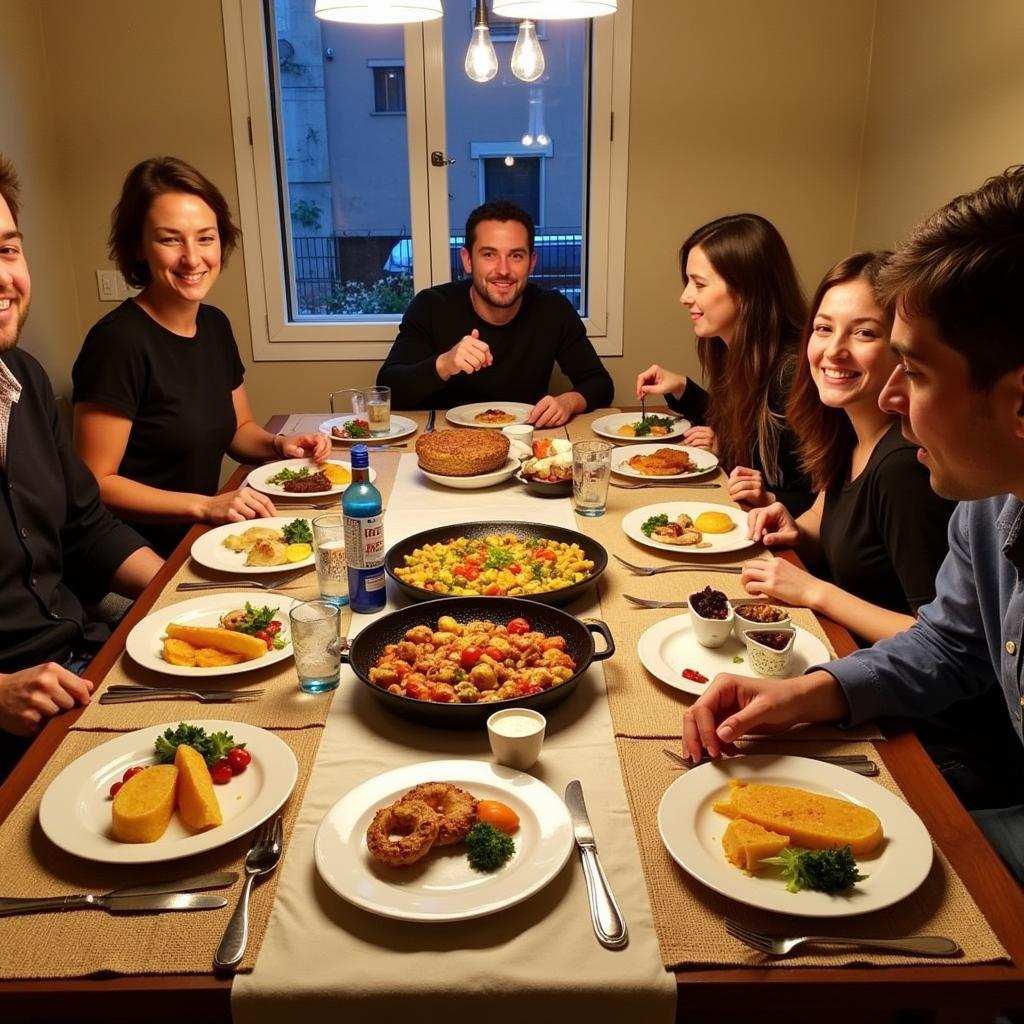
[[348, 213], [388, 88]]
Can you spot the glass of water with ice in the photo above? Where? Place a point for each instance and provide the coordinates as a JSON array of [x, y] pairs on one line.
[[378, 410], [591, 470], [316, 645]]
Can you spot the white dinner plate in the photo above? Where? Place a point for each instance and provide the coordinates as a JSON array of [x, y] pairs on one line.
[[258, 478], [704, 460], [401, 426], [608, 426], [692, 833], [75, 810], [209, 549], [464, 415], [719, 543], [442, 886], [473, 483], [670, 646], [146, 640]]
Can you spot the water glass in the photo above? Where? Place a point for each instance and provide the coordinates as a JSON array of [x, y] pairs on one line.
[[316, 645], [591, 471], [519, 432], [378, 410], [516, 736], [358, 402], [331, 561]]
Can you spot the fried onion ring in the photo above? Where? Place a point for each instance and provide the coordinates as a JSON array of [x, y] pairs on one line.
[[402, 833], [456, 809]]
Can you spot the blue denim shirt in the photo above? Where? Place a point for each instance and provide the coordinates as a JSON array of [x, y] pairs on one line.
[[969, 637]]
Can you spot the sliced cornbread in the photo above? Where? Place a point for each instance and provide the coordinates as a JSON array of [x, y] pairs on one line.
[[144, 804], [811, 820], [197, 802], [746, 843], [462, 452]]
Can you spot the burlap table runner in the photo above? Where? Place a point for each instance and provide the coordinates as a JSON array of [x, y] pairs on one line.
[[79, 943], [282, 706], [688, 916]]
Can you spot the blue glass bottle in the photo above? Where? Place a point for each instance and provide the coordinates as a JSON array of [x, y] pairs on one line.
[[362, 509]]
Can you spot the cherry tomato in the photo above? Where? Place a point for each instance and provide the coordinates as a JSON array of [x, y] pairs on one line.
[[515, 568], [493, 590], [221, 772], [238, 760], [418, 691], [115, 788], [493, 652], [469, 656], [517, 627], [467, 572], [500, 815], [262, 634], [545, 555], [273, 628], [134, 770]]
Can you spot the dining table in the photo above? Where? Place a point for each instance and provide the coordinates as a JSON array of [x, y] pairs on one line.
[[315, 953]]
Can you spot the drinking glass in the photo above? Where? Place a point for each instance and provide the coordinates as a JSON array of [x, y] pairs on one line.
[[358, 402], [378, 410], [591, 470], [331, 561], [316, 645]]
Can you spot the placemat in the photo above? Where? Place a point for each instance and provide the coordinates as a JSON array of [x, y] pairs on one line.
[[80, 943], [688, 916]]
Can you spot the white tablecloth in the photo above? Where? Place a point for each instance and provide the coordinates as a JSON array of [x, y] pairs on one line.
[[537, 961]]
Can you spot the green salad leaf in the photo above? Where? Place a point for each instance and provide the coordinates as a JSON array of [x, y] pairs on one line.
[[297, 532], [650, 525]]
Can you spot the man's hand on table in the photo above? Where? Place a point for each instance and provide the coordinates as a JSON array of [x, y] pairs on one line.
[[556, 410], [468, 355], [236, 507], [734, 706], [33, 694]]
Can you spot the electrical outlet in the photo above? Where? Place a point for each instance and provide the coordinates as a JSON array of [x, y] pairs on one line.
[[107, 285]]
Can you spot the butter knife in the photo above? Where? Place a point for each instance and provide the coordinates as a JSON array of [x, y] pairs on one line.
[[609, 926], [116, 898], [114, 904]]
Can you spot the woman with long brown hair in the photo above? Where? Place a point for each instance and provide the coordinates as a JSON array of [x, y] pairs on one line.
[[877, 525], [747, 310]]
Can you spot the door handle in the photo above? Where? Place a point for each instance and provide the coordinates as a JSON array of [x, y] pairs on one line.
[[438, 159]]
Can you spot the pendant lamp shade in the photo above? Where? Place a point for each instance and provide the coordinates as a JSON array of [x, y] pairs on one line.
[[378, 12], [554, 10]]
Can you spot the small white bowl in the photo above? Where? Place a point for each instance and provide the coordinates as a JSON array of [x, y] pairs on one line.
[[767, 661], [710, 632], [743, 623]]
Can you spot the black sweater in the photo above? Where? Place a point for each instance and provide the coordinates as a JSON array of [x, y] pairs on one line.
[[546, 330]]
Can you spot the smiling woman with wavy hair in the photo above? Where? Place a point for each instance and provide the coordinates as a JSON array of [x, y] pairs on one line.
[[745, 303]]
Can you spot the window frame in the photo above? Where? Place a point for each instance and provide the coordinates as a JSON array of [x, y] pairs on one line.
[[375, 65], [266, 246]]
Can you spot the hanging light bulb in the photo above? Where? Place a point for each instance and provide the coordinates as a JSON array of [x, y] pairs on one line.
[[527, 57], [554, 9], [378, 12], [481, 60]]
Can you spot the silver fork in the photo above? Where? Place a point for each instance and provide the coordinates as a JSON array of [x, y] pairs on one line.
[[664, 483], [922, 945], [320, 505], [128, 694], [258, 584], [261, 859], [429, 428], [653, 570], [856, 763]]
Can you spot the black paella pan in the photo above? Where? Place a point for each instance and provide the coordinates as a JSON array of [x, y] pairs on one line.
[[592, 550], [369, 645]]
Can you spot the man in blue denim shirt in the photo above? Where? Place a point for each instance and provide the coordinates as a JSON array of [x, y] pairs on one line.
[[959, 330]]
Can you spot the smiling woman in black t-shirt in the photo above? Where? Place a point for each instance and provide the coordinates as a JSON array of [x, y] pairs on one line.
[[158, 388]]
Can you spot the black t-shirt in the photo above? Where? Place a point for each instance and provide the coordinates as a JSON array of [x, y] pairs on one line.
[[884, 534], [546, 330], [176, 391]]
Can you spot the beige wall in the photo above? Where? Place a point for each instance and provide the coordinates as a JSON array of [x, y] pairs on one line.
[[946, 108], [27, 137], [735, 104]]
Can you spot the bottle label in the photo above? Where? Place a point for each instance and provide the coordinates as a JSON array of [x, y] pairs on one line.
[[364, 542]]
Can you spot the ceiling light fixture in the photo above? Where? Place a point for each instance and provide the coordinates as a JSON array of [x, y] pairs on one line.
[[527, 57], [481, 60], [378, 12], [537, 10]]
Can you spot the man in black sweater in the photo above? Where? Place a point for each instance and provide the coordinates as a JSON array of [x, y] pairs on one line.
[[58, 543], [495, 337]]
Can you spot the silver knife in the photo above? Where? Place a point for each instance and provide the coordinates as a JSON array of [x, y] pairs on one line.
[[114, 904], [604, 911], [29, 904]]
